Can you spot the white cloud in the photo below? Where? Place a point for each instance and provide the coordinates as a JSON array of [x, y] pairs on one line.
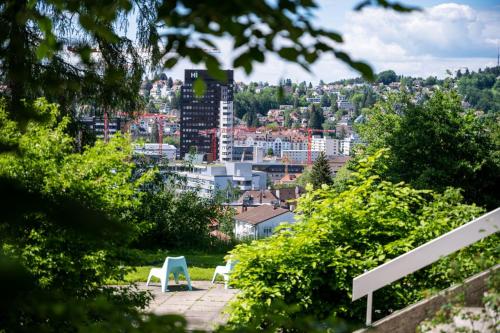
[[444, 36], [446, 30]]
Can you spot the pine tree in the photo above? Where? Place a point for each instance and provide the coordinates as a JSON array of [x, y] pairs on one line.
[[321, 173], [170, 82], [316, 118]]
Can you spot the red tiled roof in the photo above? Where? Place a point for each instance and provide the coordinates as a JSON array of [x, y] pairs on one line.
[[267, 196], [260, 214]]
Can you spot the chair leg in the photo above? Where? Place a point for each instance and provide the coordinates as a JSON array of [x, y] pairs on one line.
[[215, 275], [149, 279], [164, 282], [176, 277], [226, 280], [188, 279]]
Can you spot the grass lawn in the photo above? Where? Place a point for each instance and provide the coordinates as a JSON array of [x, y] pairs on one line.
[[201, 265]]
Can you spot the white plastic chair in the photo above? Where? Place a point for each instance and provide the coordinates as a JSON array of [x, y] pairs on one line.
[[225, 271], [173, 265]]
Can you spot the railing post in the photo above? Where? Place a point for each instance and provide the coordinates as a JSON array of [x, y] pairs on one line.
[[369, 303]]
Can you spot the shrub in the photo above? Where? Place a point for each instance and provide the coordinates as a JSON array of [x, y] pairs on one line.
[[175, 220], [340, 235]]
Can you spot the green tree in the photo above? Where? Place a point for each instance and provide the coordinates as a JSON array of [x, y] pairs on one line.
[[175, 102], [270, 152], [435, 145], [387, 77], [251, 119], [430, 81], [175, 221], [481, 90], [358, 100], [321, 172], [334, 107], [61, 206], [288, 119], [316, 117], [325, 101], [37, 35], [226, 221]]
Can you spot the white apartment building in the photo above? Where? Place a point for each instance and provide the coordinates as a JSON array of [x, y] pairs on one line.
[[345, 146], [313, 100], [277, 144], [344, 104], [226, 141], [298, 145], [327, 145], [299, 156], [207, 180]]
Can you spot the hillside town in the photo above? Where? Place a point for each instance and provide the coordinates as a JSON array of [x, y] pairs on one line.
[[249, 166]]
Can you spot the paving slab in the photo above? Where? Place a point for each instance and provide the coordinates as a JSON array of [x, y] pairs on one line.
[[202, 307]]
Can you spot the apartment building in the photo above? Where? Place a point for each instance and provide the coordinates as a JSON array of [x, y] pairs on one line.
[[204, 112]]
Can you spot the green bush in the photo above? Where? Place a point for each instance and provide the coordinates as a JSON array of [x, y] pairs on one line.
[[175, 220], [340, 235], [67, 219]]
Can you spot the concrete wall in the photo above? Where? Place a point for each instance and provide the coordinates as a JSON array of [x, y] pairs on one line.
[[407, 319]]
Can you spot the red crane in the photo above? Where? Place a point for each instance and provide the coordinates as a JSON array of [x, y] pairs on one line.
[[159, 121], [309, 141], [213, 132], [213, 137]]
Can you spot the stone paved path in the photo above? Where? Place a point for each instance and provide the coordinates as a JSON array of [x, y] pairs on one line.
[[202, 307]]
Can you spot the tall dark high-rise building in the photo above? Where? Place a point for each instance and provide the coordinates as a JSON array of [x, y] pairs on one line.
[[205, 113]]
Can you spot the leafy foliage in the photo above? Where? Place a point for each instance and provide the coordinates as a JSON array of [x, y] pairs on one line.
[[36, 51], [78, 52], [248, 102], [481, 90], [436, 144], [387, 77], [312, 263], [175, 221], [61, 206], [316, 118]]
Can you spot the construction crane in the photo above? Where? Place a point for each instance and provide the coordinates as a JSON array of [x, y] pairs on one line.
[[215, 132], [286, 161], [309, 141], [213, 136], [158, 118]]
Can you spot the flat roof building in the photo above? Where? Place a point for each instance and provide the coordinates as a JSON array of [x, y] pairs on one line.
[[205, 112]]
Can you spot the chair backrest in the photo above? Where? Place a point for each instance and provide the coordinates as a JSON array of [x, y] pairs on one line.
[[173, 261], [231, 263]]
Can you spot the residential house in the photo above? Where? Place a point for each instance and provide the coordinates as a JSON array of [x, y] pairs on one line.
[[288, 196], [260, 222]]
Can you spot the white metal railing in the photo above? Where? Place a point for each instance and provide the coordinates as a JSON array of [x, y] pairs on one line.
[[467, 234]]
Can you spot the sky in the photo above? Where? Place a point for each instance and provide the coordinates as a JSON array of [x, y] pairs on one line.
[[443, 36]]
